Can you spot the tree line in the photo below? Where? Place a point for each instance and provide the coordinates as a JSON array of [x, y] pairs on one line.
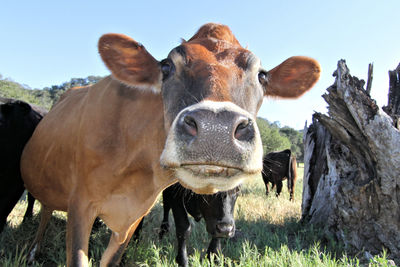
[[273, 136], [276, 138], [45, 97]]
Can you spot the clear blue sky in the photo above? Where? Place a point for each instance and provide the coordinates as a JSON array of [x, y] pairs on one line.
[[46, 43]]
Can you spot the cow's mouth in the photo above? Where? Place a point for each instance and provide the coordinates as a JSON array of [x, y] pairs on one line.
[[210, 170], [209, 178], [229, 234]]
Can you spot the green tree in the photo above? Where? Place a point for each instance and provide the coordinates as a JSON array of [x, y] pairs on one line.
[[45, 97], [271, 139], [296, 140], [56, 91], [11, 89]]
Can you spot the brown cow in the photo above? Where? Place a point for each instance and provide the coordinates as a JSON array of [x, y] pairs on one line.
[[108, 150], [279, 166]]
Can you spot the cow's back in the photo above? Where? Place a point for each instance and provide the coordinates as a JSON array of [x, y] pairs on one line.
[[277, 163], [88, 141]]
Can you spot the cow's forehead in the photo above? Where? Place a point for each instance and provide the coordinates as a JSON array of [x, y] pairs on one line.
[[213, 51], [214, 30]]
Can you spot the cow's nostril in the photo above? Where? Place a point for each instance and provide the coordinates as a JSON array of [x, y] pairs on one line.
[[244, 130], [190, 125]]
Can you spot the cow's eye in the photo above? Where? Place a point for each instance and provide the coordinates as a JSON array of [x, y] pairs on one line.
[[263, 77], [167, 68]]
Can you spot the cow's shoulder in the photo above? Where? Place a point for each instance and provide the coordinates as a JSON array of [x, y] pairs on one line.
[[73, 93]]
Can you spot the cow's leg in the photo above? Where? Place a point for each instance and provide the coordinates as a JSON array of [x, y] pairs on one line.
[[136, 233], [214, 247], [166, 207], [292, 178], [45, 215], [266, 184], [272, 185], [79, 225], [29, 209], [8, 201], [290, 185], [116, 246], [182, 225], [291, 197], [278, 188]]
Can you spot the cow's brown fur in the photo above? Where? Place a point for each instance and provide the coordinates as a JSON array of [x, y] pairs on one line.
[[97, 152], [104, 173]]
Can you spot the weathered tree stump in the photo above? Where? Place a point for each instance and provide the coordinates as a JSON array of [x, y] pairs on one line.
[[352, 169], [393, 107]]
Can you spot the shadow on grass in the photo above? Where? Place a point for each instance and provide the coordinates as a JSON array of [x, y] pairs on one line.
[[16, 241], [292, 234], [261, 234], [21, 237]]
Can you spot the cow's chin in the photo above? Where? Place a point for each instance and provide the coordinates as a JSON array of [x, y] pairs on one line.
[[209, 179]]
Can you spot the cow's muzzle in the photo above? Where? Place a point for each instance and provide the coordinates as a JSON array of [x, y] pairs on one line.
[[202, 124], [218, 141], [225, 229], [212, 146]]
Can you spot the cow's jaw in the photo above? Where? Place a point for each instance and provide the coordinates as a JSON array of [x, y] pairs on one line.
[[210, 184]]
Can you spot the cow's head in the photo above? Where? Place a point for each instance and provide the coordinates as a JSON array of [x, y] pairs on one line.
[[218, 212], [17, 115], [212, 89]]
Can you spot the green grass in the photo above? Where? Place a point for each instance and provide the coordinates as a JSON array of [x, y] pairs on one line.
[[269, 234]]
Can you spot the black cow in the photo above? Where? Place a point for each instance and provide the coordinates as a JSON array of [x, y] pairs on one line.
[[18, 120], [277, 166], [217, 211]]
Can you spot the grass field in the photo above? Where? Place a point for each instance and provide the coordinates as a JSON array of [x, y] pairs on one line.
[[269, 234]]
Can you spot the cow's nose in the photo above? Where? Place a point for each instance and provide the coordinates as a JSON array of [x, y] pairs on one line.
[[205, 123], [189, 125], [243, 128], [225, 229]]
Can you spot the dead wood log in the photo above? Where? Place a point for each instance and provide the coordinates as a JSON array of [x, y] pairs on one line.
[[352, 169], [393, 107], [370, 76]]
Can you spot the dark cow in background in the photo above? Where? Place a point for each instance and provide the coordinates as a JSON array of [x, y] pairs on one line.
[[217, 211], [18, 120], [278, 166]]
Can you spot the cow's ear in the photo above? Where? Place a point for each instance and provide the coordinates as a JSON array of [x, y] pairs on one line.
[[130, 62], [293, 77]]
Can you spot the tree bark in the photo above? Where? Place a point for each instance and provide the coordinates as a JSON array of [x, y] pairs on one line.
[[393, 107], [352, 169]]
